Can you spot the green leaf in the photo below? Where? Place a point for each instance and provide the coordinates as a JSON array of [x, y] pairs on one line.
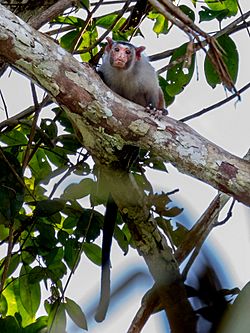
[[14, 137], [161, 24], [39, 166], [231, 5], [30, 293], [4, 232], [163, 84], [71, 253], [12, 295], [69, 142], [57, 318], [106, 21], [36, 274], [54, 255], [63, 120], [9, 325], [80, 190], [56, 271], [121, 239], [178, 76], [76, 313], [71, 20], [188, 11], [93, 252], [11, 188], [85, 3], [89, 225], [207, 14], [70, 222], [49, 127], [46, 239], [14, 262], [62, 237], [68, 40], [230, 57], [46, 208], [37, 326], [3, 306]]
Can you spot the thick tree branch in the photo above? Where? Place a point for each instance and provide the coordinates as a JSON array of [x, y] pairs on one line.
[[152, 245], [106, 122]]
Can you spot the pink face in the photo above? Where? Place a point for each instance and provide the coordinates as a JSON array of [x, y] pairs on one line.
[[120, 56]]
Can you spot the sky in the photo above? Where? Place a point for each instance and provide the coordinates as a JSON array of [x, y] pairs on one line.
[[228, 127]]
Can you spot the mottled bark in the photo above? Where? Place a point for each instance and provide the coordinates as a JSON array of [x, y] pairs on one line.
[[106, 122]]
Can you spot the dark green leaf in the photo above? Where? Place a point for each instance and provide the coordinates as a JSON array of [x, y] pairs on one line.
[[14, 262], [89, 225], [36, 274], [163, 84], [46, 208], [69, 142], [56, 271], [11, 188], [9, 325], [178, 76], [63, 120], [69, 40], [78, 191], [4, 232], [14, 137], [121, 239], [46, 239], [85, 3], [76, 313], [29, 254], [230, 57], [93, 252], [70, 222], [71, 20], [188, 11], [54, 255], [71, 253], [37, 326], [30, 293], [49, 127], [39, 166], [207, 14], [57, 318], [62, 237], [3, 306]]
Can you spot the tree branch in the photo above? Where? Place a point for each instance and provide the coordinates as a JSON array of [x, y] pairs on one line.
[[106, 122]]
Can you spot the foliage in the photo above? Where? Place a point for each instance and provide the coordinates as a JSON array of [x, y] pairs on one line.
[[47, 233]]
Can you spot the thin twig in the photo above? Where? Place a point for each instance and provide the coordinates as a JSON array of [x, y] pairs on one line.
[[216, 105], [7, 258], [26, 157], [4, 105], [229, 215], [105, 34]]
